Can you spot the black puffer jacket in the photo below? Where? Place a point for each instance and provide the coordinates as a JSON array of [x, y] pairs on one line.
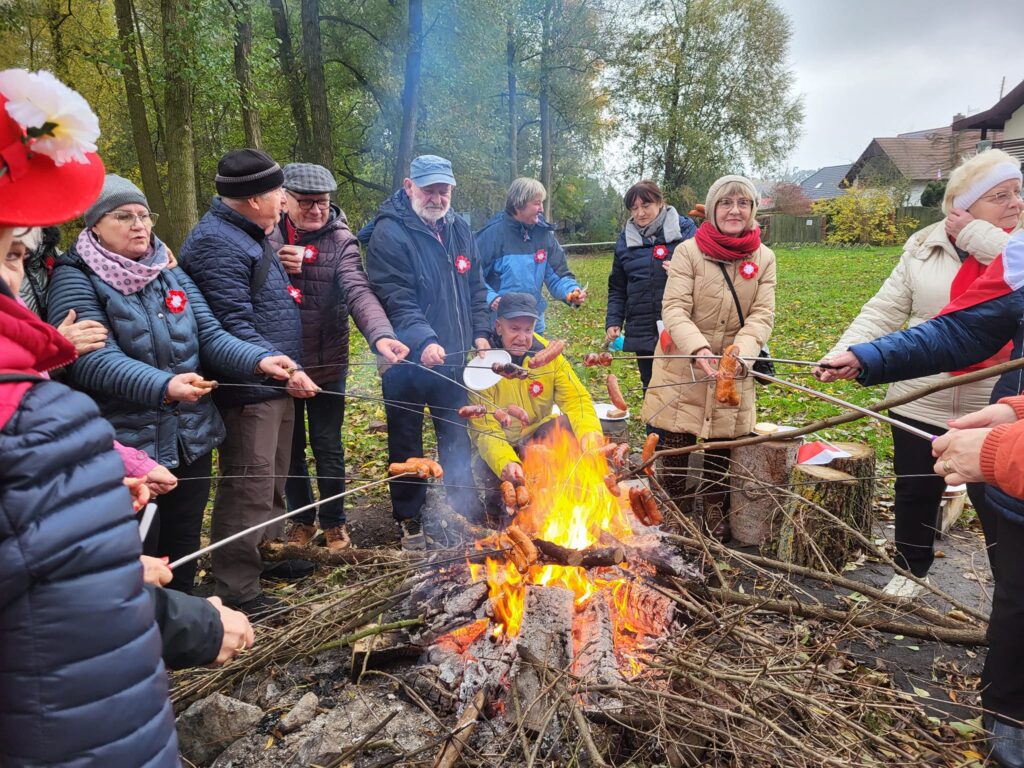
[[333, 284], [431, 288], [636, 286], [222, 254]]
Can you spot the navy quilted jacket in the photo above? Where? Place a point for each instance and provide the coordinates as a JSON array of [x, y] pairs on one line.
[[431, 290], [221, 255], [636, 286], [81, 681], [147, 345], [520, 259], [950, 343]]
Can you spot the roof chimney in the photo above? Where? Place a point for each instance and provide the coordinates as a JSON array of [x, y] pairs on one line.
[[958, 116]]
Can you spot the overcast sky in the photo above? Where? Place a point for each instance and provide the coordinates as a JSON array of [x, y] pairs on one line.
[[871, 68]]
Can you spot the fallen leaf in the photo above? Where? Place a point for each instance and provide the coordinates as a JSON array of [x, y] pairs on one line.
[[270, 742], [922, 693], [913, 648], [967, 730], [970, 754]]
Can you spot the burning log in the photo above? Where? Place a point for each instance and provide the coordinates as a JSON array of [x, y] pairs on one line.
[[546, 635], [594, 557]]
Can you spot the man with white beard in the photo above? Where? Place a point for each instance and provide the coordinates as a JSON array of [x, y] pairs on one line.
[[423, 264]]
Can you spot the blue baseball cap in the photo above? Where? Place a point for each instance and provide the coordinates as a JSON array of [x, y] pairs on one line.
[[431, 169]]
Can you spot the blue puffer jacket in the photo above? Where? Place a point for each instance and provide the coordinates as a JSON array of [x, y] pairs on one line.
[[950, 343], [636, 286], [221, 254], [521, 259], [431, 288], [146, 346], [81, 681]]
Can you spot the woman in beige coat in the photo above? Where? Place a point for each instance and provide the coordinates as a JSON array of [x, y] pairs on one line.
[[702, 318], [983, 207]]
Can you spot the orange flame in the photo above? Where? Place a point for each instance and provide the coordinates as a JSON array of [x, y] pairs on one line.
[[571, 507]]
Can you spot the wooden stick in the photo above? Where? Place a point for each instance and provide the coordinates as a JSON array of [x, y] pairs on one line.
[[464, 728], [844, 418], [275, 551], [854, 618]]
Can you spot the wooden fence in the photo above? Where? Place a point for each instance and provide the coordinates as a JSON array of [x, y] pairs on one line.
[[781, 228], [924, 216]]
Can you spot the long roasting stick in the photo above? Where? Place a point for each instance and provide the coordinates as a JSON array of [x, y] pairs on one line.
[[849, 406], [218, 544]]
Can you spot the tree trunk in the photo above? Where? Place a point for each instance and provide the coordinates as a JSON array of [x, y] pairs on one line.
[[672, 181], [513, 119], [55, 18], [286, 59], [545, 107], [410, 93], [243, 49], [316, 86], [141, 136], [181, 202]]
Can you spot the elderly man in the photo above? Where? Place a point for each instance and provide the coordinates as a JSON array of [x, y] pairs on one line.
[[229, 257], [520, 253], [321, 256], [424, 266], [501, 446]]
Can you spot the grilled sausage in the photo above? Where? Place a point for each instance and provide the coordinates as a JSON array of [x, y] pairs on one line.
[[472, 411], [508, 494], [613, 484], [546, 355], [503, 418], [518, 413], [598, 358], [615, 393], [728, 367], [650, 444], [522, 497], [523, 543]]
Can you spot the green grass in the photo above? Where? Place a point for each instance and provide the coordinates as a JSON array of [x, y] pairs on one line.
[[820, 291]]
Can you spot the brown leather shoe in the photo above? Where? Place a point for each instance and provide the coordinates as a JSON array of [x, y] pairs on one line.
[[337, 538], [300, 534], [716, 518]]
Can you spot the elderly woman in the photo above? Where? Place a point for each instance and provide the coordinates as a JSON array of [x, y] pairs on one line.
[[640, 266], [148, 379], [939, 263], [720, 291]]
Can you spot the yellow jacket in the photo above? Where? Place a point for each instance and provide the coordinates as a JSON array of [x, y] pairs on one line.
[[558, 385]]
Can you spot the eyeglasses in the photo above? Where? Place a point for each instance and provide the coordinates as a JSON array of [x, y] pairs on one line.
[[743, 203], [307, 205], [1003, 198], [126, 219]]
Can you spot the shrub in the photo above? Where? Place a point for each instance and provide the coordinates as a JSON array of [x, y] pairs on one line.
[[790, 199], [934, 191], [863, 216]]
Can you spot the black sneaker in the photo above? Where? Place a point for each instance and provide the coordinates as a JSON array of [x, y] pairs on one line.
[[288, 570], [413, 538], [260, 606]]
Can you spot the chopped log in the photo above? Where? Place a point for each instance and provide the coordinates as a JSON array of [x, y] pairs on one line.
[[452, 750], [546, 633], [275, 551], [806, 537], [754, 508], [860, 464], [594, 557]]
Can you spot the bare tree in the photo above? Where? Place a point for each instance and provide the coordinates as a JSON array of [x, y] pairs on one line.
[[410, 92], [286, 60]]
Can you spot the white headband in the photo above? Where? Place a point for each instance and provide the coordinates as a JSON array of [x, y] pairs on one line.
[[996, 175]]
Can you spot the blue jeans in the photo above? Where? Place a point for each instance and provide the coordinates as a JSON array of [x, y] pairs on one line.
[[408, 389], [326, 414]]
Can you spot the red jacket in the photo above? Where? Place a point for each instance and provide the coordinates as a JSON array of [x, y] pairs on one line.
[[1002, 453]]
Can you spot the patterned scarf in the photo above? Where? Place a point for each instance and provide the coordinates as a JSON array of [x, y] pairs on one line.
[[119, 272], [721, 247]]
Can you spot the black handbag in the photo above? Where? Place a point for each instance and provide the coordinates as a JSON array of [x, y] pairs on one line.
[[761, 365]]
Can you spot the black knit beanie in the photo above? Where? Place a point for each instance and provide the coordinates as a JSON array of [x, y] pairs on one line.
[[247, 173]]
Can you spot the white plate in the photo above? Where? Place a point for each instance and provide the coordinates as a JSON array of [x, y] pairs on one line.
[[602, 412], [478, 374]]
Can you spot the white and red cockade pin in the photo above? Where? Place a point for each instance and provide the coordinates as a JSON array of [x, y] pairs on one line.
[[295, 293], [540, 256], [661, 251], [462, 264], [176, 301], [748, 269], [535, 389], [309, 254]]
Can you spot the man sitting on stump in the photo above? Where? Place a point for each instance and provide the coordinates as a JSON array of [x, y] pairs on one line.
[[501, 445]]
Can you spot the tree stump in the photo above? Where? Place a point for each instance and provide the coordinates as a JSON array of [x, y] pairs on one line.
[[860, 465], [754, 508], [806, 537]]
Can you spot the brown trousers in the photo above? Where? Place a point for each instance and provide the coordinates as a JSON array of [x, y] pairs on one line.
[[257, 447]]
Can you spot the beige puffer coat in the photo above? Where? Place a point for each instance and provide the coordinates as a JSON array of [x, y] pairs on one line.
[[699, 311], [916, 291]]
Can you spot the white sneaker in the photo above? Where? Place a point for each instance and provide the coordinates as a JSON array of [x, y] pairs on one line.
[[904, 588]]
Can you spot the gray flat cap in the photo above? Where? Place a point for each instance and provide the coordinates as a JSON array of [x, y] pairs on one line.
[[309, 179]]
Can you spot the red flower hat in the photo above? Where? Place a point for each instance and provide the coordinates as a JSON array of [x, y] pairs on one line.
[[176, 301]]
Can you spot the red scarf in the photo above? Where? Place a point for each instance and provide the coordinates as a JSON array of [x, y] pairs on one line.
[[969, 276], [720, 247]]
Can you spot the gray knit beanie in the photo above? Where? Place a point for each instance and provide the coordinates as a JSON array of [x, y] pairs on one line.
[[117, 191], [718, 189]]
